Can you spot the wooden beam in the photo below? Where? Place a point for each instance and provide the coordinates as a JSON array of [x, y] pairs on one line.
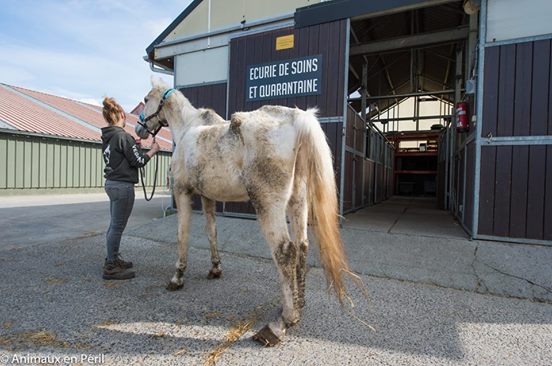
[[328, 11], [416, 40]]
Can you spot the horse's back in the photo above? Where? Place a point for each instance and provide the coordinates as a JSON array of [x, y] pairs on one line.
[[268, 131], [254, 151]]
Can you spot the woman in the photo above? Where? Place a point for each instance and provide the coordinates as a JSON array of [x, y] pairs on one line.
[[122, 157]]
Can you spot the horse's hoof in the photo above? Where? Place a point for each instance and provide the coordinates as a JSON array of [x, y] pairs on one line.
[[292, 323], [266, 337], [171, 286], [214, 273]]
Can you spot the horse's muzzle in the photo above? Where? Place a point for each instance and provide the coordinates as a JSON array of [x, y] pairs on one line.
[[140, 130]]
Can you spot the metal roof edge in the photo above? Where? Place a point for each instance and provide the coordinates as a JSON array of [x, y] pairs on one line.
[[172, 26], [6, 125], [45, 135], [24, 133]]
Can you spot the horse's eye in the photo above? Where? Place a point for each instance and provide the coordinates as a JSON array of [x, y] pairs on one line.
[[146, 99]]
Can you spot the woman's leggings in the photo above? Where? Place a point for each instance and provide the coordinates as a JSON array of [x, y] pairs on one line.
[[121, 196]]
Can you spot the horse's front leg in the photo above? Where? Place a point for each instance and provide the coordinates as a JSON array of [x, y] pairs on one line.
[[184, 206], [211, 229]]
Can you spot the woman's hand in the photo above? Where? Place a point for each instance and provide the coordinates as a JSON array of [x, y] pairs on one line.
[[154, 148]]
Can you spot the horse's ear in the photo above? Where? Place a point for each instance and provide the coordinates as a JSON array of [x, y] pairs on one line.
[[158, 83]]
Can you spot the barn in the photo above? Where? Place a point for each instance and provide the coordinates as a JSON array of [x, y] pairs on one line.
[[442, 99], [52, 144]]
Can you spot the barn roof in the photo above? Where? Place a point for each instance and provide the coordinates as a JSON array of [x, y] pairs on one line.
[[49, 115]]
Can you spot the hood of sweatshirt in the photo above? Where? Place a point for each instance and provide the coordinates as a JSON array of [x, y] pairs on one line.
[[109, 132]]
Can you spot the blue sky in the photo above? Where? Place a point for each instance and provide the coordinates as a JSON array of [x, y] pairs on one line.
[[82, 49]]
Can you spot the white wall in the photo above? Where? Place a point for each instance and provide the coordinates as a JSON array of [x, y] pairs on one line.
[[202, 66], [212, 15], [510, 19]]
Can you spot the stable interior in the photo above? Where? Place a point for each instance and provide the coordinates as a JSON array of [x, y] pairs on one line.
[[406, 73]]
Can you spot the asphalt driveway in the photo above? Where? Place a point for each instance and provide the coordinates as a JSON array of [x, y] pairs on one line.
[[54, 303]]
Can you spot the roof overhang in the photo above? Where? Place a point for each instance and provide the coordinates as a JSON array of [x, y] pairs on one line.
[[163, 52], [357, 9]]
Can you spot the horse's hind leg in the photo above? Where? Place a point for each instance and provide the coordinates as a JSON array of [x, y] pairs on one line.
[[184, 205], [284, 252], [211, 229], [298, 215]]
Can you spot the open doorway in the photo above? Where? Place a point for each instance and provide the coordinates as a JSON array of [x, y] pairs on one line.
[[406, 77]]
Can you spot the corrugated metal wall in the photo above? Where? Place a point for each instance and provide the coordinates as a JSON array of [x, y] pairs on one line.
[[34, 162], [516, 170]]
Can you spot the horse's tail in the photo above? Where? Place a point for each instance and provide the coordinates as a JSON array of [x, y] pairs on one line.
[[322, 197]]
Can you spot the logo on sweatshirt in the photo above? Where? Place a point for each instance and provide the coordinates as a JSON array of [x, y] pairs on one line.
[[139, 158], [107, 154]]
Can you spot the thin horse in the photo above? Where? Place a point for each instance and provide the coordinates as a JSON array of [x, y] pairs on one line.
[[276, 157]]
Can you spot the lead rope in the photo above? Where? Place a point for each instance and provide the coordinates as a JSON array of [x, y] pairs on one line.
[[142, 174]]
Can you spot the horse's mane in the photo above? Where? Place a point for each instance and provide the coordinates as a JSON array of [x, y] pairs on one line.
[[210, 117]]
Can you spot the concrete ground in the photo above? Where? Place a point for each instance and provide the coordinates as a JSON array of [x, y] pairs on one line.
[[49, 218], [418, 216], [54, 302], [410, 239]]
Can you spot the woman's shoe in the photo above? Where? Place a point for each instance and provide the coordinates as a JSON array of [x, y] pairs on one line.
[[112, 271], [122, 263]]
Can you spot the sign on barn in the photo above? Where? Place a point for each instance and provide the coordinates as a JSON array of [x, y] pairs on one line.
[[282, 79]]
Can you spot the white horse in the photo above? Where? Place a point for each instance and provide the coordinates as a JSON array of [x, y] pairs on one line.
[[276, 157]]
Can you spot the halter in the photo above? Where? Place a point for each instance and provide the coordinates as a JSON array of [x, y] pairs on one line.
[[162, 122], [142, 121]]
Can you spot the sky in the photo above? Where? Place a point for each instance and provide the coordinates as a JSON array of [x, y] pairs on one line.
[[83, 49]]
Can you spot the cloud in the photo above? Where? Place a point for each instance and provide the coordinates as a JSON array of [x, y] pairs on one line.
[[155, 27], [83, 49]]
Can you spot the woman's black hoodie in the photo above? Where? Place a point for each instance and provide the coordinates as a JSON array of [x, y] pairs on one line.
[[121, 155]]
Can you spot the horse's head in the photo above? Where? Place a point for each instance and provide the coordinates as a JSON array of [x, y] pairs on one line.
[[152, 119]]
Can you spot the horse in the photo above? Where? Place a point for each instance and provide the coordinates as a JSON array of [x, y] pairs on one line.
[[276, 157]]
